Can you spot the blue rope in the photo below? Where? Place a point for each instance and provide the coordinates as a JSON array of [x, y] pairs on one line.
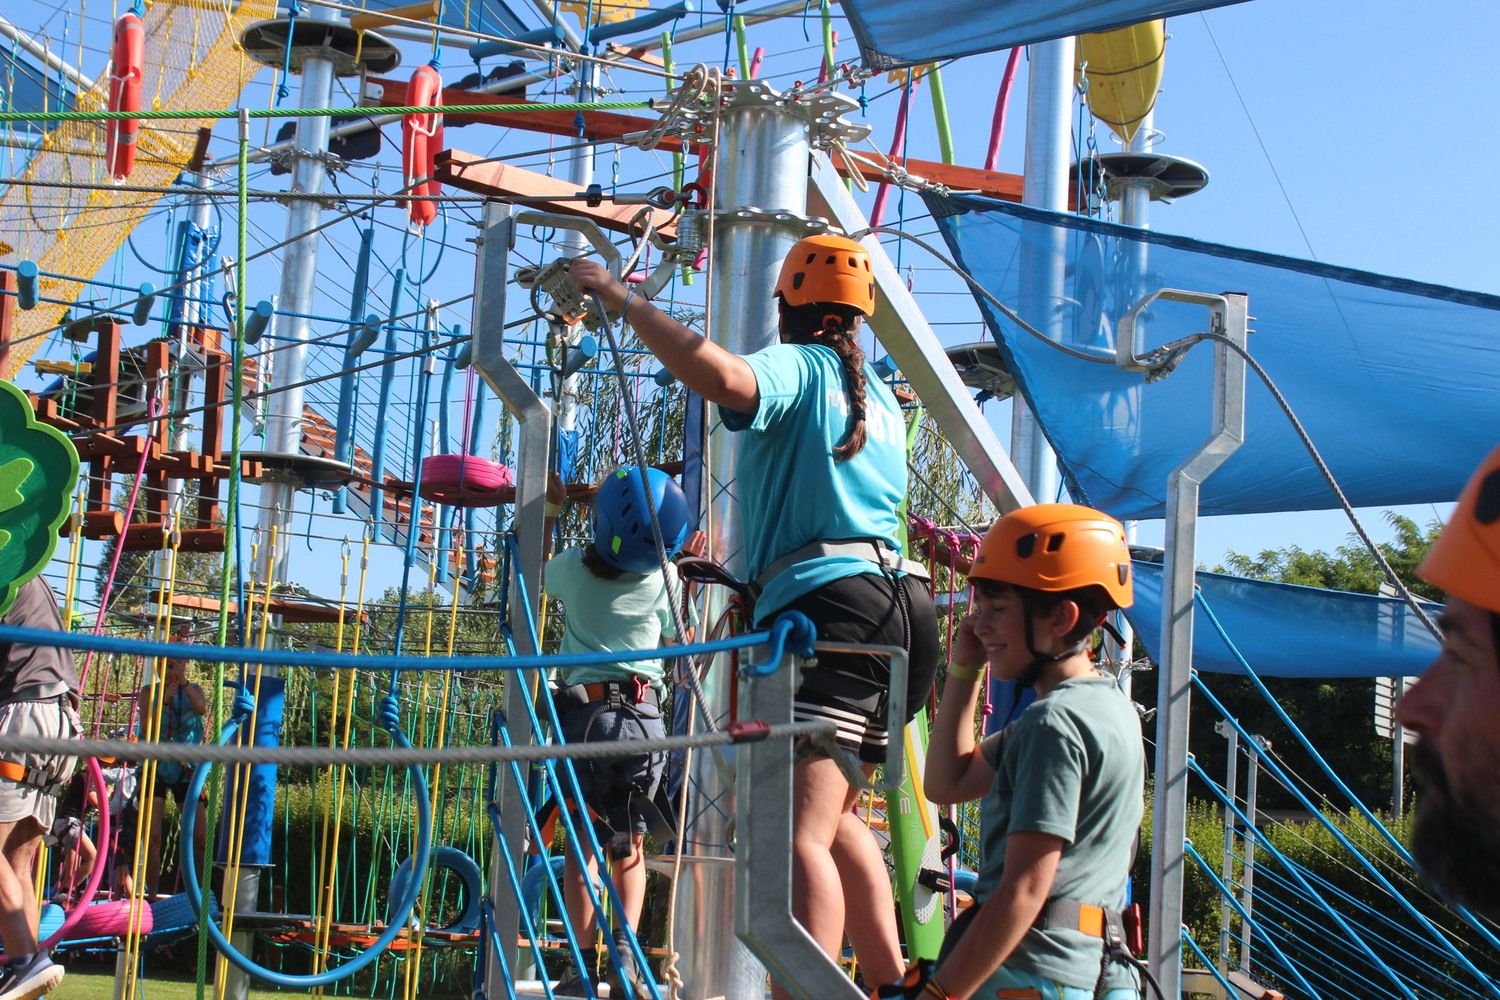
[[381, 661], [1364, 862], [388, 719], [1244, 916], [1312, 894], [1293, 916], [423, 363], [1209, 964]]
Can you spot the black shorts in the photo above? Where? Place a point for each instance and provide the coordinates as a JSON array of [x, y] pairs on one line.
[[851, 690], [178, 790], [600, 779]]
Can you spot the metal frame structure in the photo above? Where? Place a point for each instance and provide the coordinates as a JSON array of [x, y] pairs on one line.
[[533, 456], [1229, 321]]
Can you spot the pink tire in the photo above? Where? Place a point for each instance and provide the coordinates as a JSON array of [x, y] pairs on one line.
[[111, 919]]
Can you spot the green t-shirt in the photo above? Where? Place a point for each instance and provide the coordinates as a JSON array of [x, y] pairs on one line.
[[630, 613], [1072, 766]]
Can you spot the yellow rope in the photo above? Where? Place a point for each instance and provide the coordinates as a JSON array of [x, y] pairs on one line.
[[321, 915], [320, 952], [239, 814]]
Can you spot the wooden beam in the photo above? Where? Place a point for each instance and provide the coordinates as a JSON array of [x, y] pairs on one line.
[[424, 10], [612, 125], [485, 176]]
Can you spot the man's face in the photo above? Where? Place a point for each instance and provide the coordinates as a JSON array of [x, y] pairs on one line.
[[1455, 711]]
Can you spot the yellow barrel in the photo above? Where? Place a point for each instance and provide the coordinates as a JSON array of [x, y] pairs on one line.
[[1123, 68]]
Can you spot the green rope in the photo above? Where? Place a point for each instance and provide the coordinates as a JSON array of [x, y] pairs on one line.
[[450, 110], [231, 536]]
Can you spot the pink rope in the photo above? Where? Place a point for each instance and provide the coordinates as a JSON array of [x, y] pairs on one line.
[[755, 61], [114, 566], [102, 856], [997, 127], [898, 148]]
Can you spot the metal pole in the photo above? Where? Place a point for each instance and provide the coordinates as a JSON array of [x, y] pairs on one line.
[[580, 173], [1398, 765], [1045, 185], [283, 410], [1226, 869], [762, 163], [1169, 825], [1247, 884], [299, 268]]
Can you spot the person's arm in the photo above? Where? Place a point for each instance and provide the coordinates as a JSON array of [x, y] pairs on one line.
[[717, 375], [956, 770], [196, 699], [1003, 920]]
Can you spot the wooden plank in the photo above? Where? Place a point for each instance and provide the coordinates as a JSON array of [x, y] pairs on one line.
[[8, 285], [425, 10], [486, 176]]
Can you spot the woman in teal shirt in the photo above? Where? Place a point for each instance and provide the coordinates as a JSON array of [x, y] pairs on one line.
[[821, 480]]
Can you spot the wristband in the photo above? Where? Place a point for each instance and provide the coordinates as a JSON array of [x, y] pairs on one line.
[[970, 674], [553, 509]]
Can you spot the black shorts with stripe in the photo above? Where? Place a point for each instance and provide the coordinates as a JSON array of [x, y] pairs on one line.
[[851, 690]]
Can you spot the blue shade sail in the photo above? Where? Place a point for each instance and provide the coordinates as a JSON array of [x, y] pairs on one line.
[[494, 17], [26, 85], [1397, 382], [1289, 631], [896, 33]]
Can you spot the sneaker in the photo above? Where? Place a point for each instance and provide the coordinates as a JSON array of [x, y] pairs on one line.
[[37, 977], [572, 984], [626, 982]]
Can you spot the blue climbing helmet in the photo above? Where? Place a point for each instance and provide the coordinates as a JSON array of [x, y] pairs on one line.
[[622, 521]]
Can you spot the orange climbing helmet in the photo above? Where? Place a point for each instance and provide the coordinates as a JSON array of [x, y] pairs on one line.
[[1465, 560], [1056, 547], [828, 268]]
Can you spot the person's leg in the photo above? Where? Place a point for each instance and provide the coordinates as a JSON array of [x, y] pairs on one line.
[[21, 845], [576, 897], [870, 907], [630, 881], [17, 902], [819, 795]]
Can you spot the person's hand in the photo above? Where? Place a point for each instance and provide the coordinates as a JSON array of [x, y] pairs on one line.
[[591, 276], [696, 544], [967, 650], [917, 984]]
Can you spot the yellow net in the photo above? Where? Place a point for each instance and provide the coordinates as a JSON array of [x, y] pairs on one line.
[[193, 61]]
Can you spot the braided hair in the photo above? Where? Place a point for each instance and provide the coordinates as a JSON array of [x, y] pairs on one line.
[[835, 326]]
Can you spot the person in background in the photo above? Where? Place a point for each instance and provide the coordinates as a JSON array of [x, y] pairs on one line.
[[1454, 708], [38, 697], [617, 600], [180, 709]]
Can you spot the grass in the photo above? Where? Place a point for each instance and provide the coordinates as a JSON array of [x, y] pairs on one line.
[[92, 984]]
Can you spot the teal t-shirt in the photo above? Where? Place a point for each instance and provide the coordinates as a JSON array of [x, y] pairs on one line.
[[1072, 766], [791, 490], [631, 612]]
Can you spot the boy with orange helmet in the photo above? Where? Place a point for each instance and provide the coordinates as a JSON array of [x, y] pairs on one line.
[[1062, 787], [1453, 708]]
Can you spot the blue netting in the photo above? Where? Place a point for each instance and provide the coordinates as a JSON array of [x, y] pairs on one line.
[[908, 32], [1289, 631], [1397, 382]]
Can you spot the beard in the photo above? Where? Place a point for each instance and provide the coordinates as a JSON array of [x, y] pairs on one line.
[[1456, 837]]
